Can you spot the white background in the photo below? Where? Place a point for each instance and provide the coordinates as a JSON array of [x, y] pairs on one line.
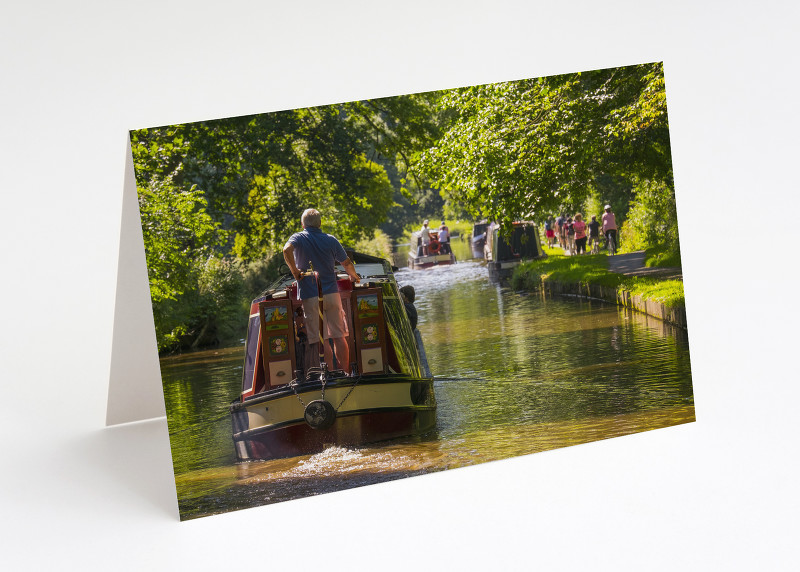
[[719, 494]]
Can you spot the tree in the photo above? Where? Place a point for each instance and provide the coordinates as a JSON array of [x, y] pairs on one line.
[[177, 233], [235, 188], [518, 149], [179, 240]]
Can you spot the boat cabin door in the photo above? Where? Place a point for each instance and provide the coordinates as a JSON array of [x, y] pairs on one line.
[[369, 332], [277, 339]]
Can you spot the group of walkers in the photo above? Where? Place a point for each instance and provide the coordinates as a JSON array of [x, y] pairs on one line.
[[573, 233]]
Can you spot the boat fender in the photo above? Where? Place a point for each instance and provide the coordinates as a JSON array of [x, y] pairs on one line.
[[319, 414]]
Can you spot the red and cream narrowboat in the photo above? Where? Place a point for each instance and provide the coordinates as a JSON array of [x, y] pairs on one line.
[[438, 253], [385, 391]]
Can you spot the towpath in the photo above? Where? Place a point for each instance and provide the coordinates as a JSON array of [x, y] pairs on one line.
[[632, 264]]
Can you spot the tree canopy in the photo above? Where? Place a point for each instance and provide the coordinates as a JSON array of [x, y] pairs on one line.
[[517, 149], [218, 198]]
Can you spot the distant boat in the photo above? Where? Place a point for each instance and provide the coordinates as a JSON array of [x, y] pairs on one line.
[[503, 253], [478, 238], [439, 253], [384, 391]]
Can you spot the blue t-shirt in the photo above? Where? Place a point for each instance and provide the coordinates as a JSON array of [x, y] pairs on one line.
[[323, 251]]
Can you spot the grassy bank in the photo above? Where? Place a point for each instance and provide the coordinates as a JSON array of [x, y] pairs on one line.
[[593, 269], [662, 258]]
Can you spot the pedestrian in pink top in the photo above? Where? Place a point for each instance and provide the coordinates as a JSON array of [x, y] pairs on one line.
[[580, 234]]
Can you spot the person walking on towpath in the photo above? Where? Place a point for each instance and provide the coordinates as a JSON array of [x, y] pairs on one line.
[[322, 251], [580, 234], [560, 220], [425, 235], [549, 231], [570, 236], [610, 226], [594, 233]]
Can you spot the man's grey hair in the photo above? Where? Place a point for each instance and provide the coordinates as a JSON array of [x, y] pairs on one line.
[[311, 217]]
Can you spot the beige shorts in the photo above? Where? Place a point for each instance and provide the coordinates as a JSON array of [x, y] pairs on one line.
[[335, 324]]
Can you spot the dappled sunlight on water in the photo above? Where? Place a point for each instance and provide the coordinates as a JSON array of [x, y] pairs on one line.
[[515, 374]]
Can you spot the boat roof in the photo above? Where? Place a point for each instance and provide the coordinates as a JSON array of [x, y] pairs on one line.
[[367, 266]]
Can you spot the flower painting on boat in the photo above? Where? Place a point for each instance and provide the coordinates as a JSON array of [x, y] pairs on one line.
[[369, 334], [279, 345]]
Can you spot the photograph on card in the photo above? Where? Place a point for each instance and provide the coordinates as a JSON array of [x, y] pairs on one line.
[[359, 292]]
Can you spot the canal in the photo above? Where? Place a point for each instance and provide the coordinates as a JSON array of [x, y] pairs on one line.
[[515, 374]]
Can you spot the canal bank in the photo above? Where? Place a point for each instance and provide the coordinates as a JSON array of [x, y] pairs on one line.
[[623, 280], [618, 295]]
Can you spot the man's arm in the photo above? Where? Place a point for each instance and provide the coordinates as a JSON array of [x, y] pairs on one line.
[[288, 256], [350, 268]]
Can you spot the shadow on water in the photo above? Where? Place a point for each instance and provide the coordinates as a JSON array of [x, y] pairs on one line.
[[514, 374]]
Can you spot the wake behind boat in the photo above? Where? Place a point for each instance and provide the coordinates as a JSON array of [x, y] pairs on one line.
[[287, 408]]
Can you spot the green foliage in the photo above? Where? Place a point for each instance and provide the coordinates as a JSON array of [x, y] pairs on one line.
[[660, 257], [220, 285], [593, 206], [567, 269], [177, 234], [219, 198], [668, 292], [257, 275], [208, 311], [652, 219], [517, 149], [379, 245]]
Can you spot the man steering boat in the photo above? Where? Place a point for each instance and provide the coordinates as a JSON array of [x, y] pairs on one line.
[[313, 248]]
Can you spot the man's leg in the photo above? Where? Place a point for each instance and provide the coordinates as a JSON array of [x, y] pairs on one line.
[[311, 311], [328, 354], [336, 331], [342, 350]]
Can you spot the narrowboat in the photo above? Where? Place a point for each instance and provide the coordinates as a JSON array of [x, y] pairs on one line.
[[293, 403], [503, 252], [478, 238], [439, 253]]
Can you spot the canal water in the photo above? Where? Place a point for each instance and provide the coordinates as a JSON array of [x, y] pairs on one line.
[[515, 374]]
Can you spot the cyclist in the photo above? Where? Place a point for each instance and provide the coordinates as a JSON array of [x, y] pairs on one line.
[[610, 229]]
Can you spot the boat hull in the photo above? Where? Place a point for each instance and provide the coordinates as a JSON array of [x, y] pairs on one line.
[[502, 270], [421, 262], [368, 410]]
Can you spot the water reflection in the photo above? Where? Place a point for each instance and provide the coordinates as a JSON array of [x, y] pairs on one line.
[[514, 374]]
